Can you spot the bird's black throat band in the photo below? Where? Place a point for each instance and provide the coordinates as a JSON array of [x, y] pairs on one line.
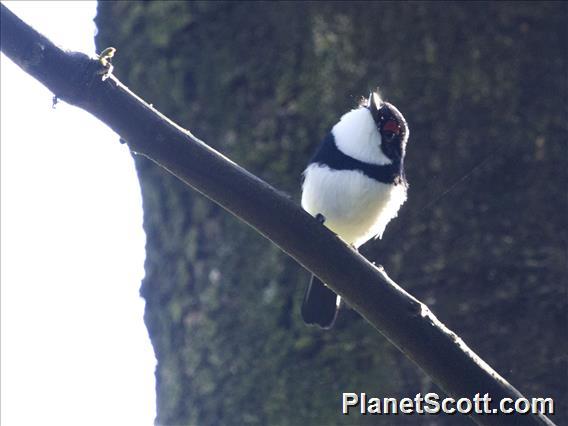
[[329, 155]]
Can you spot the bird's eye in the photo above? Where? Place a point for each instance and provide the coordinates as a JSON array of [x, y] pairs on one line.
[[391, 126], [389, 130]]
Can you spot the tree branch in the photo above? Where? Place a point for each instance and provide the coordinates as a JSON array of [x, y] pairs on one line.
[[405, 321]]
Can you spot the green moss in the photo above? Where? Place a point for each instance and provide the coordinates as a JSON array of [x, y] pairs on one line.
[[483, 87]]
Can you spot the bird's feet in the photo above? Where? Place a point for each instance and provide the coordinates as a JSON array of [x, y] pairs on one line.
[[379, 266]]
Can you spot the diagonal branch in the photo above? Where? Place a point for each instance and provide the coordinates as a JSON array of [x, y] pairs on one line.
[[406, 322]]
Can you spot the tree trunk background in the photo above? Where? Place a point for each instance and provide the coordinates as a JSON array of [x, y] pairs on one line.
[[483, 87]]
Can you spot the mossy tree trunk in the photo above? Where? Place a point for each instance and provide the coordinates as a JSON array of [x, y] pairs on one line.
[[482, 87]]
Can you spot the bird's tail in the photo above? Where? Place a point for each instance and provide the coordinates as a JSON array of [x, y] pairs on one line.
[[320, 304]]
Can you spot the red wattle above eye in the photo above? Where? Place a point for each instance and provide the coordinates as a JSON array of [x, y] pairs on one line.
[[391, 126]]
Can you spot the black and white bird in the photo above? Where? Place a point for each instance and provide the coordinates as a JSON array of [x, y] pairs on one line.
[[355, 184]]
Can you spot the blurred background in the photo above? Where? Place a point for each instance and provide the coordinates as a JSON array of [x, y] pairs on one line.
[[481, 240]]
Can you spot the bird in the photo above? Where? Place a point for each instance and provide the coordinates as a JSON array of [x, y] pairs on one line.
[[354, 185]]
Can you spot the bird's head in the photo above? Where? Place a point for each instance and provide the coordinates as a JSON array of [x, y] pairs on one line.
[[391, 125], [374, 133]]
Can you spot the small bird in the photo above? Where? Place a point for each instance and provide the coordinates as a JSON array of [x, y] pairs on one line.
[[354, 185]]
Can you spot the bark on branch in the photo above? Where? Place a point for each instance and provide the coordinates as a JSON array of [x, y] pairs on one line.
[[405, 321]]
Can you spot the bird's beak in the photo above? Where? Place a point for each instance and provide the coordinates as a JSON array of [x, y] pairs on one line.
[[375, 102]]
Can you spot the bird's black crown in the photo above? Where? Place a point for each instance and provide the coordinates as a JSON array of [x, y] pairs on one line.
[[391, 125]]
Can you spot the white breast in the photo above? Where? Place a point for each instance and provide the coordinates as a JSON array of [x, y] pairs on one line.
[[355, 207]]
